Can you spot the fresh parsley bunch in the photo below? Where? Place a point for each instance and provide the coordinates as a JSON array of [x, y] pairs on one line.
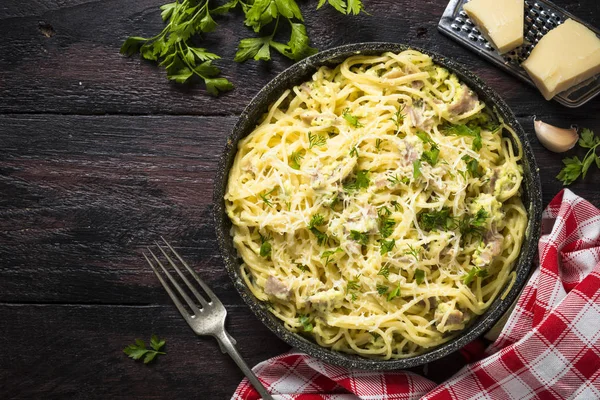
[[188, 20], [574, 167]]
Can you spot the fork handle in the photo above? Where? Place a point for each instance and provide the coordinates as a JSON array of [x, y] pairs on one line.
[[226, 343]]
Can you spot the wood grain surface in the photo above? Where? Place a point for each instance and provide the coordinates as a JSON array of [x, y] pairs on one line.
[[100, 155]]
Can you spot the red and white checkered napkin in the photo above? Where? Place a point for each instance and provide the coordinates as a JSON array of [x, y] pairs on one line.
[[549, 348]]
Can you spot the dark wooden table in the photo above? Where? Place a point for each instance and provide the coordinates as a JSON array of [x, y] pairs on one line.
[[99, 155]]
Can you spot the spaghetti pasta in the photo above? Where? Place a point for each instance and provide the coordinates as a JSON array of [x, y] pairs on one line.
[[377, 207]]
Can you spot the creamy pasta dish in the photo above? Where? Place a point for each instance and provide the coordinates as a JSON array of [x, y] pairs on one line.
[[377, 207]]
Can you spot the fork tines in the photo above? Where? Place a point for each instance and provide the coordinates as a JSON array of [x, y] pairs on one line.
[[196, 307]]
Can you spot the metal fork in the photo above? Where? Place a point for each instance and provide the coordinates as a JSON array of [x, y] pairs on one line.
[[208, 317]]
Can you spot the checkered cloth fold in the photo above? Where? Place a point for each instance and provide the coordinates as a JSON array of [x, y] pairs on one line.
[[548, 349]]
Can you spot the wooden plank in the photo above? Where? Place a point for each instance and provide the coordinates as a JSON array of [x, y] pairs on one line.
[[56, 59], [76, 352], [81, 197]]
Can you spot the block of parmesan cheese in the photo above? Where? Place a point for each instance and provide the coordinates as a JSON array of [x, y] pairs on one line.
[[500, 21], [564, 57]]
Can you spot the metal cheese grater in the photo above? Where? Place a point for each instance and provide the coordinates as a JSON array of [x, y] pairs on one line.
[[540, 17]]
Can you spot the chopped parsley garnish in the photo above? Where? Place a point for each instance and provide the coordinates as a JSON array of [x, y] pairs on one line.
[[472, 166], [327, 255], [396, 180], [394, 293], [316, 140], [386, 224], [302, 267], [321, 237], [265, 197], [352, 286], [416, 168], [464, 130], [360, 237], [378, 144], [398, 119], [396, 205], [354, 152], [360, 182], [387, 246], [351, 119], [305, 321], [316, 220], [295, 159], [413, 252], [265, 246], [431, 155], [424, 137], [382, 289], [475, 271], [384, 271], [419, 276], [441, 220], [474, 224]]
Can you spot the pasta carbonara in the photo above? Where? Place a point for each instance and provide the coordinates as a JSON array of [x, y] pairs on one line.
[[377, 206]]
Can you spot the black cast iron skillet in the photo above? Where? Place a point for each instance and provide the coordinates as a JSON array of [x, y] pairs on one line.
[[301, 72]]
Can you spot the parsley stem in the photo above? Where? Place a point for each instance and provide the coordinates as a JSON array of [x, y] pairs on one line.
[[188, 64]]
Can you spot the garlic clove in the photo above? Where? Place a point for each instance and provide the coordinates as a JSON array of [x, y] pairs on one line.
[[555, 139]]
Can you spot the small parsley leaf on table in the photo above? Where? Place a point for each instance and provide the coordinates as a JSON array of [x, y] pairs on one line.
[[139, 350]]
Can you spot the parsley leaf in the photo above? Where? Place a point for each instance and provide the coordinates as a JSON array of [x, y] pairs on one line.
[[382, 289], [413, 252], [316, 220], [416, 168], [360, 237], [384, 271], [139, 350], [394, 293], [354, 152], [257, 48], [436, 220], [431, 155], [574, 167], [349, 7], [302, 267], [387, 246], [265, 246], [419, 276], [360, 182], [327, 254], [386, 224], [472, 166], [305, 321], [396, 180], [353, 285], [398, 119], [571, 171], [295, 159], [464, 130], [378, 144], [316, 140], [265, 198], [587, 139], [475, 271], [321, 237], [351, 119]]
